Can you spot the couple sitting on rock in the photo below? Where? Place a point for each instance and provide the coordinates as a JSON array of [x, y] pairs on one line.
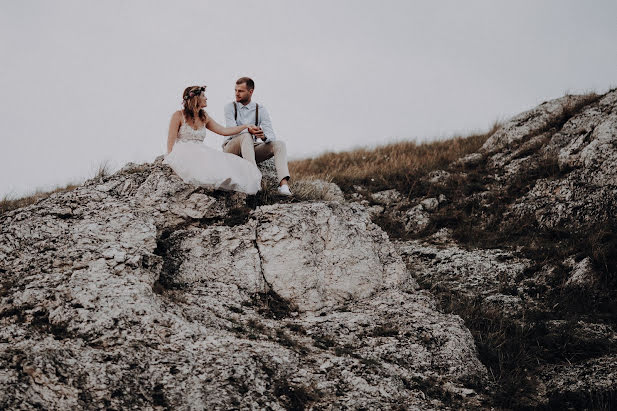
[[250, 140]]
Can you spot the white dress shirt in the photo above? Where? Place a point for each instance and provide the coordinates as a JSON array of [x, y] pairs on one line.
[[246, 116]]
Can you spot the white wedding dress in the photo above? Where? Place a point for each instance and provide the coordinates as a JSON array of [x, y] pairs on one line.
[[198, 164]]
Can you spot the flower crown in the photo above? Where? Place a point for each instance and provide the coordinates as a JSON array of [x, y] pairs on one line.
[[195, 92]]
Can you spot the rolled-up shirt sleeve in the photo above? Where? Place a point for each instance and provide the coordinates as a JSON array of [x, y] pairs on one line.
[[265, 123], [229, 115]]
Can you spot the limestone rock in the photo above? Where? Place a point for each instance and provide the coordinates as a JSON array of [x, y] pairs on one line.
[[589, 384], [471, 273], [214, 254], [387, 197], [324, 255], [438, 176], [416, 219], [317, 190], [527, 123], [269, 178], [375, 211], [139, 291], [430, 204], [582, 148], [583, 275], [469, 160]]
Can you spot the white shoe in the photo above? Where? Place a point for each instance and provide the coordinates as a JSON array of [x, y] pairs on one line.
[[284, 190]]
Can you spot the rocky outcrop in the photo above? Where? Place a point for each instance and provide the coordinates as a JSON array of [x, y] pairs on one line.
[[569, 143], [586, 385], [521, 243], [139, 291], [488, 274]]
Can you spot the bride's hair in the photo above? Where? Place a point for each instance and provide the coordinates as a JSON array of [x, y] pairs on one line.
[[190, 101]]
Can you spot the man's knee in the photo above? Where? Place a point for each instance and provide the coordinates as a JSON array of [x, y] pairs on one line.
[[235, 145], [245, 138]]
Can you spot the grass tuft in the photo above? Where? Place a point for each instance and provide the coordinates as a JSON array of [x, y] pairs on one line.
[[103, 170]]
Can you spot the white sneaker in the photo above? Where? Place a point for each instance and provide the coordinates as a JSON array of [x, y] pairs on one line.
[[284, 190]]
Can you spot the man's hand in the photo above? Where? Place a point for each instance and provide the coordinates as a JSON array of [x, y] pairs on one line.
[[257, 132]]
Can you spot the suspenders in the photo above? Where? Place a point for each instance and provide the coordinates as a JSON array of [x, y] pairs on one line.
[[256, 113]]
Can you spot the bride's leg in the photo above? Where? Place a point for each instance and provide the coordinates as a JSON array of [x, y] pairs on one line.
[[242, 145]]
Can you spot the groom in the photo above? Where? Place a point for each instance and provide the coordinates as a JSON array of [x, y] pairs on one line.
[[260, 145]]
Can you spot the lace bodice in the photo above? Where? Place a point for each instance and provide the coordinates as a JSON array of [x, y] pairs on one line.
[[188, 133]]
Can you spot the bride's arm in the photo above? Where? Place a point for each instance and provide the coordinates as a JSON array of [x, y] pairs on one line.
[[174, 126], [224, 131]]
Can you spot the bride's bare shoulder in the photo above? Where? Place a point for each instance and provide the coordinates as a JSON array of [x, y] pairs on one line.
[[177, 116]]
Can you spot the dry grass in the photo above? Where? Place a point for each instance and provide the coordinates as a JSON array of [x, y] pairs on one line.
[[7, 204], [392, 166], [103, 170]]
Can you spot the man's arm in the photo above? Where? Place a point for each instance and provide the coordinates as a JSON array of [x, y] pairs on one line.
[[229, 115], [266, 124]]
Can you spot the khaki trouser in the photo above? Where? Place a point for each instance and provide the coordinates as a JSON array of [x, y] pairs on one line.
[[243, 145]]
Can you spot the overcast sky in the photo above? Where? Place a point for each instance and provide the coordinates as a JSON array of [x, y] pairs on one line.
[[85, 82]]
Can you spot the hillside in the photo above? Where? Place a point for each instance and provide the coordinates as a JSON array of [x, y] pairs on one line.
[[475, 272], [520, 240]]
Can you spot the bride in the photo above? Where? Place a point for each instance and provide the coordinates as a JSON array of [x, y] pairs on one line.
[[198, 164]]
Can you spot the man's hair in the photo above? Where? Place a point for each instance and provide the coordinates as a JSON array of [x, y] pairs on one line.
[[250, 84]]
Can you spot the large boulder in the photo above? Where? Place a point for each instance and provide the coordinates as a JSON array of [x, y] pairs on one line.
[[324, 255]]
